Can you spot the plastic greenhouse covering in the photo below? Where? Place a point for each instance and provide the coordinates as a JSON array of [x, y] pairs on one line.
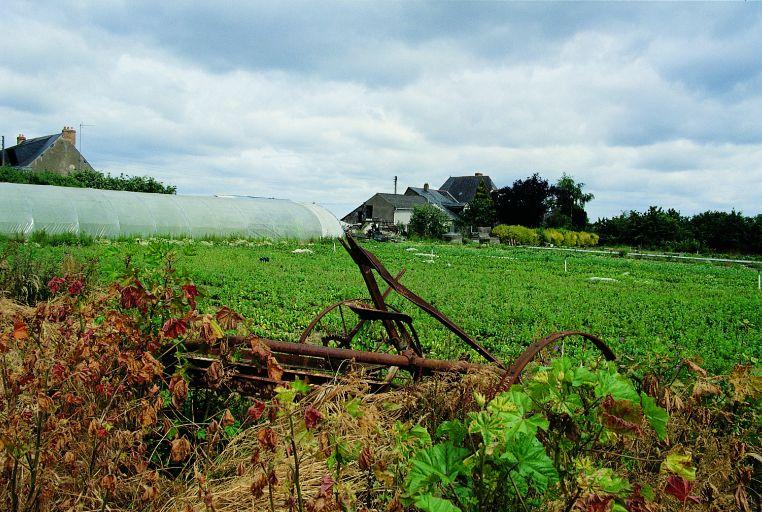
[[25, 209]]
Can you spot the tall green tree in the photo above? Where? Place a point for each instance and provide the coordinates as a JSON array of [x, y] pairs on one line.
[[429, 221], [525, 203], [569, 200], [479, 211]]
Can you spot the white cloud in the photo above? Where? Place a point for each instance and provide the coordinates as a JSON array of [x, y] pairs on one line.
[[642, 115]]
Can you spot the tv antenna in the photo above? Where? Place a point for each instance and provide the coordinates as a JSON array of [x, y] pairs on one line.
[[81, 125]]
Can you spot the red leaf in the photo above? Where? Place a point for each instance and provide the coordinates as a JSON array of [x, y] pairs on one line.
[[55, 284], [621, 416], [274, 370], [311, 417], [228, 318], [256, 410], [326, 486], [174, 327], [593, 503], [20, 330], [76, 287], [680, 488], [190, 293]]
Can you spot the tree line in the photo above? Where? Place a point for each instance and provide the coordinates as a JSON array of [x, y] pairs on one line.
[[534, 202], [86, 179]]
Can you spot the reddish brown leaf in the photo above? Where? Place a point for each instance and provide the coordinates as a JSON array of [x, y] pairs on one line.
[[256, 410], [55, 284], [593, 503], [621, 416], [214, 375], [274, 370], [258, 485], [178, 387], [311, 417], [680, 488], [227, 419], [260, 349], [20, 330], [191, 293], [76, 287], [174, 327], [694, 367], [181, 449], [267, 438], [228, 318]]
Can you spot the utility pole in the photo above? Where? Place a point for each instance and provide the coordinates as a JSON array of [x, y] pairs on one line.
[[395, 185], [81, 136], [3, 150]]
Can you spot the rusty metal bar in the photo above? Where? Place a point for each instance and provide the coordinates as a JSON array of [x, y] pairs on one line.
[[406, 361], [365, 260]]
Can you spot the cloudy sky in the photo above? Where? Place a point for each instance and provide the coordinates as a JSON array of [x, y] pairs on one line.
[[327, 102]]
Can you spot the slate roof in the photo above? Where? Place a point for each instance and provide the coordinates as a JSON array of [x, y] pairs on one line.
[[440, 197], [463, 188], [25, 153], [401, 201]]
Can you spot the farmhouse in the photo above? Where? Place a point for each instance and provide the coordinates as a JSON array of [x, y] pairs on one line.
[[385, 209], [463, 188], [396, 209], [56, 153]]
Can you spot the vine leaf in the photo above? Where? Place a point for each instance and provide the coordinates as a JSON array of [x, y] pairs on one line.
[[430, 503], [681, 488], [531, 461], [439, 464], [678, 461], [656, 416]]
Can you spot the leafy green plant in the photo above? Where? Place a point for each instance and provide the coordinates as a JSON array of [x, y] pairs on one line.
[[429, 221], [535, 443]]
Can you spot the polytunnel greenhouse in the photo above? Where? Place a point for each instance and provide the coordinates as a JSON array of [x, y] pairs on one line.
[[25, 209]]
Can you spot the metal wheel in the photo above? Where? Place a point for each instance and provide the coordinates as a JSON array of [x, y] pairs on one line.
[[583, 348]]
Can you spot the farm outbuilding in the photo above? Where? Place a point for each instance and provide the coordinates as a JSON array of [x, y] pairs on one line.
[[25, 209]]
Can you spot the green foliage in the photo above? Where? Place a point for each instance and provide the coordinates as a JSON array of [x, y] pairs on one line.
[[669, 230], [428, 221], [516, 235], [508, 453], [86, 179], [655, 310], [520, 235], [568, 205], [480, 211]]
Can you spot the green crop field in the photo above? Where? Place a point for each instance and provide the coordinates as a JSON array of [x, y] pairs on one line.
[[504, 297]]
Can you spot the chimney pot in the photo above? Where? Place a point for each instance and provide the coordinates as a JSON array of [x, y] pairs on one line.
[[478, 174], [69, 134], [20, 138], [425, 187]]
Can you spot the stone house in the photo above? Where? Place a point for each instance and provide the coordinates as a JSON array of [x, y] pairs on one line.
[[56, 153]]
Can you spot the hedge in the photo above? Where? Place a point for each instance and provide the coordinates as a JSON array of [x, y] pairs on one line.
[[520, 235]]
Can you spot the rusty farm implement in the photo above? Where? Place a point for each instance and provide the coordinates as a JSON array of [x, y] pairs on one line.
[[372, 337]]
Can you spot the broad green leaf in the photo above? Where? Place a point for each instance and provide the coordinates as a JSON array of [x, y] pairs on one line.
[[679, 461], [616, 385], [353, 408], [454, 431], [531, 461], [429, 503], [300, 386], [438, 465], [583, 376], [656, 416], [604, 479]]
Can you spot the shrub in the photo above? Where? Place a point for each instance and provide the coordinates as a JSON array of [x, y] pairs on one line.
[[516, 235], [552, 236], [86, 179], [429, 221], [570, 238]]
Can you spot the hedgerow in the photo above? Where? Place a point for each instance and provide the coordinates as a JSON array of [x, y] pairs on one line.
[[520, 235]]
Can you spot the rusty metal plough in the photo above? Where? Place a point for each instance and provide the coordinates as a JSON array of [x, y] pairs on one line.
[[376, 339]]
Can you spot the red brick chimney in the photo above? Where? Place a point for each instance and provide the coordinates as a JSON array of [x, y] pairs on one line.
[[69, 134], [425, 187], [20, 138]]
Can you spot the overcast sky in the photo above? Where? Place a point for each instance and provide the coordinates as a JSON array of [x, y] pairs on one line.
[[327, 102]]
